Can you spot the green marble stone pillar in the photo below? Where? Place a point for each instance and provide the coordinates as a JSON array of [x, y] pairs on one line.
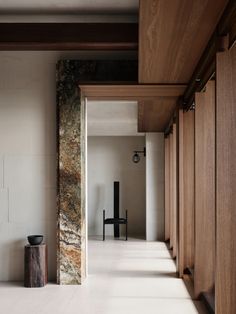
[[71, 190]]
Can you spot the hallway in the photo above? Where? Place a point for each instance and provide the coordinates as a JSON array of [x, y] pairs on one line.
[[124, 278]]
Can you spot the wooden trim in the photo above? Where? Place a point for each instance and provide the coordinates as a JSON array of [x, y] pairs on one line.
[[206, 65], [68, 36], [135, 92]]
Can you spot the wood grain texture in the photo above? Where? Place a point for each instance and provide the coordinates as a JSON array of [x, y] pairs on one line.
[[227, 23], [203, 71], [204, 265], [174, 192], [226, 28], [188, 182], [171, 189], [181, 193], [186, 191], [226, 183], [134, 91], [35, 265], [167, 188], [156, 102], [172, 37], [154, 115]]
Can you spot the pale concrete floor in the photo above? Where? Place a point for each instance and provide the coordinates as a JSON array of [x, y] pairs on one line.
[[124, 278]]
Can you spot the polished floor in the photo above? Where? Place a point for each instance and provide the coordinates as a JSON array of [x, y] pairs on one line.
[[133, 277]]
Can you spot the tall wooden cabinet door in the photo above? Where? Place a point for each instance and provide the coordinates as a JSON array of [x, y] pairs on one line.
[[171, 190], [174, 190], [167, 188], [189, 192], [226, 182], [204, 265], [186, 191]]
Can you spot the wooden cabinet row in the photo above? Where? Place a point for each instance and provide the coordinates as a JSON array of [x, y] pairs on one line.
[[200, 187]]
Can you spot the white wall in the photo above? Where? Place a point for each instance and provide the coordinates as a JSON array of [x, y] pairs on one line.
[[155, 186], [28, 158], [109, 160], [28, 152]]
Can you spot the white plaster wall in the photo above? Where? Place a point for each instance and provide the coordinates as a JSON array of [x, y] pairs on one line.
[[155, 186], [109, 160], [28, 158], [28, 152]]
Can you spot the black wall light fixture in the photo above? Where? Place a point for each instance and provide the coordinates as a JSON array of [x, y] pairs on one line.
[[136, 157]]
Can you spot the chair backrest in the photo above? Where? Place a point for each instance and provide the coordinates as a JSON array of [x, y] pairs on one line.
[[116, 199], [116, 207]]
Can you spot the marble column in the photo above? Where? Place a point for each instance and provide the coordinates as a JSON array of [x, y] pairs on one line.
[[71, 251], [71, 189]]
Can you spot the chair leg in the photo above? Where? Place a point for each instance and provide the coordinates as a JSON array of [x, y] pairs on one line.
[[104, 225]]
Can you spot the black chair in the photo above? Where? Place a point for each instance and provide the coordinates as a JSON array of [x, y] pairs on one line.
[[115, 221]]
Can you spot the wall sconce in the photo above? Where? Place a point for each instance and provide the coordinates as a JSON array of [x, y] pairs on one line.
[[136, 157]]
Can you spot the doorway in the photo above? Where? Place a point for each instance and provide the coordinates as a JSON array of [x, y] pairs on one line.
[[112, 139]]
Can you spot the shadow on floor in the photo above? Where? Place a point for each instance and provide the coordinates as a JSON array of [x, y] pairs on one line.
[[136, 273]]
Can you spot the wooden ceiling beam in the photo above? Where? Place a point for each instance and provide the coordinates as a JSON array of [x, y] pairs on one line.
[[68, 36], [205, 68], [156, 102], [135, 92]]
